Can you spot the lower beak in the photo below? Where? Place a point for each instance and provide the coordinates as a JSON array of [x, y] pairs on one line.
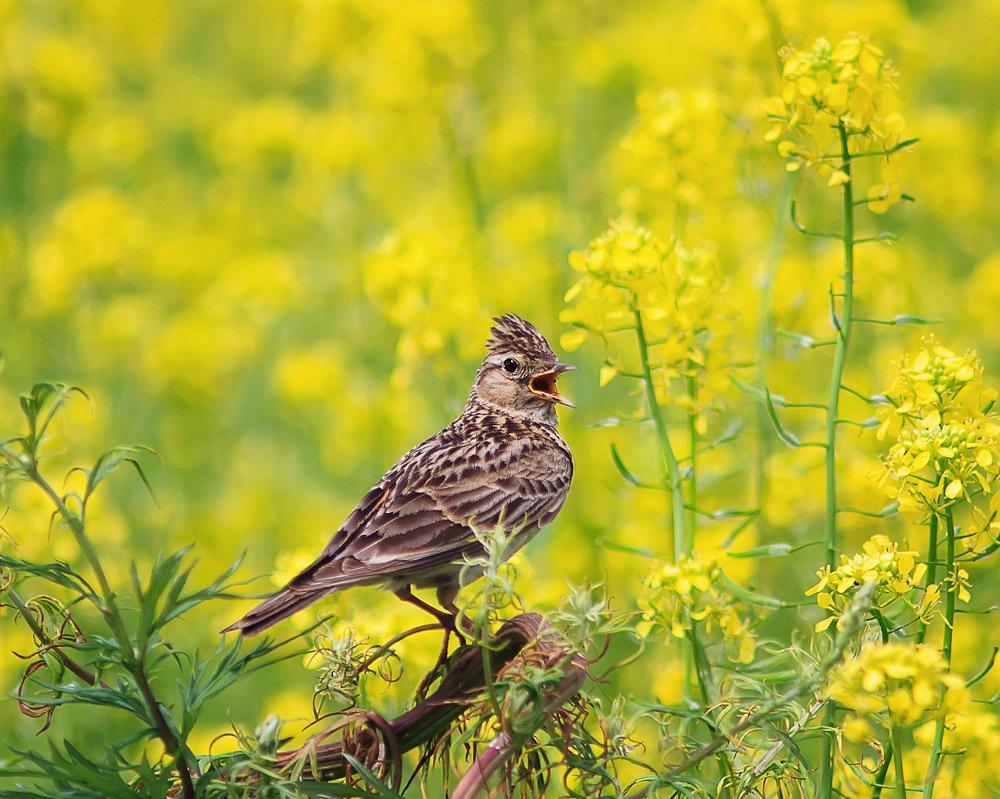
[[544, 385]]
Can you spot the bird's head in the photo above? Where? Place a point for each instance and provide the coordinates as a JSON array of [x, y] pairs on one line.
[[520, 372]]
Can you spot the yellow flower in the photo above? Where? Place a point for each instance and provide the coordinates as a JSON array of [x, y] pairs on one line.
[[895, 572], [679, 295], [947, 440], [848, 86], [689, 590], [898, 684], [607, 374], [679, 155]]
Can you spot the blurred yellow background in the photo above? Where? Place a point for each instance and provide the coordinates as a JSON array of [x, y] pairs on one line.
[[267, 238]]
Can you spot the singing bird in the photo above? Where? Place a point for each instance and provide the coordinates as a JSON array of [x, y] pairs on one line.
[[501, 462]]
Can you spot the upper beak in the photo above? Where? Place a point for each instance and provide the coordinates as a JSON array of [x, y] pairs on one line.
[[543, 384]]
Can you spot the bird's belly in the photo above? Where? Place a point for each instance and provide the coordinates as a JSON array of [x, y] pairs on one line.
[[458, 572]]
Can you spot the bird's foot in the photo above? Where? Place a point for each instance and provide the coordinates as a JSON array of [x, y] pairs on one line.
[[459, 625], [452, 624], [439, 669]]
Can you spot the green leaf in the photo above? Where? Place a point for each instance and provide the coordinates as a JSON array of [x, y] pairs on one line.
[[56, 572], [753, 597], [776, 550], [67, 693], [384, 790], [643, 552], [40, 406], [626, 473], [783, 434], [109, 461], [909, 319], [758, 394], [985, 670]]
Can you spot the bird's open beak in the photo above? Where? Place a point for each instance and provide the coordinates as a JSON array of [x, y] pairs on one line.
[[544, 384]]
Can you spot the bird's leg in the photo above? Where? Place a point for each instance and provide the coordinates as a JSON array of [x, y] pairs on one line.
[[446, 620], [446, 598]]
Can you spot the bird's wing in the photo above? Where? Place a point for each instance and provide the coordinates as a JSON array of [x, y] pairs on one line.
[[419, 518]]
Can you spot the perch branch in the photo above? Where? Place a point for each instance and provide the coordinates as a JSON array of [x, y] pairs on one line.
[[380, 743]]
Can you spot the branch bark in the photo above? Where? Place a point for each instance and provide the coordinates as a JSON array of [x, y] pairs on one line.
[[380, 743]]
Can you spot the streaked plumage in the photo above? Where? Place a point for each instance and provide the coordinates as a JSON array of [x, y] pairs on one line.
[[501, 459]]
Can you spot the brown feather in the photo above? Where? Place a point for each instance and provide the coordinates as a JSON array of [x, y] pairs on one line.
[[415, 526]]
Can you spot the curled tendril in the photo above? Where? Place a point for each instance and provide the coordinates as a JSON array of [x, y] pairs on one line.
[[53, 627]]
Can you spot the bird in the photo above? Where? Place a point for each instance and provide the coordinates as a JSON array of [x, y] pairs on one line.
[[501, 462]]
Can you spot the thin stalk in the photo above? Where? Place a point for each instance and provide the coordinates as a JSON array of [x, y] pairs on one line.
[[946, 648], [929, 579], [465, 171], [109, 607], [25, 612], [842, 325], [671, 467], [897, 760], [692, 481], [883, 771], [765, 346], [669, 458], [682, 543], [484, 645], [705, 686], [132, 660]]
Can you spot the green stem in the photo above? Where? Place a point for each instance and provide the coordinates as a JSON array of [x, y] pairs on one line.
[[842, 325], [765, 345], [669, 458], [132, 659], [703, 669], [484, 645], [692, 481], [465, 170], [883, 771], [681, 543], [934, 763], [843, 330], [931, 578], [109, 608], [45, 642], [897, 760]]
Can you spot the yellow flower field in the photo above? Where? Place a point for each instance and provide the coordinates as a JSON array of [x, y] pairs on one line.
[[267, 240]]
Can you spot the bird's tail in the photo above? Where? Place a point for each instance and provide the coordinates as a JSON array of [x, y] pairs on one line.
[[271, 611]]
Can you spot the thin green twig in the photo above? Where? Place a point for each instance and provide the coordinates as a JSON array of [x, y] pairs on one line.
[[673, 472], [133, 661], [842, 326], [934, 763]]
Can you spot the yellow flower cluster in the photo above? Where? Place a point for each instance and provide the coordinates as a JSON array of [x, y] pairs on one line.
[[833, 90], [896, 684], [678, 153], [629, 275], [426, 287], [678, 593], [895, 574], [970, 730], [947, 440]]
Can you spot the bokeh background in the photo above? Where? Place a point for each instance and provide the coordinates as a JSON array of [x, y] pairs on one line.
[[267, 238]]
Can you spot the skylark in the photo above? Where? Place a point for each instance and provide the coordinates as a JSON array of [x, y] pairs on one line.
[[501, 462]]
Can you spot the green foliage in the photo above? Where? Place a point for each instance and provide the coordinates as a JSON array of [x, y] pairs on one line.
[[122, 661]]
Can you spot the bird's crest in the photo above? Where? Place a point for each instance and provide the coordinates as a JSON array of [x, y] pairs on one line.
[[511, 333]]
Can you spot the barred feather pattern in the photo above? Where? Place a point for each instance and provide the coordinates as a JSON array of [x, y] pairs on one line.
[[414, 528]]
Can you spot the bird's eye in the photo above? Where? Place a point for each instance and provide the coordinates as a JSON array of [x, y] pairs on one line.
[[510, 365]]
